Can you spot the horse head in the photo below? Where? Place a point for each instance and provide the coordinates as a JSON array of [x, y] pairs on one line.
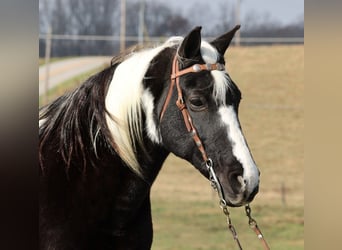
[[211, 99], [102, 145]]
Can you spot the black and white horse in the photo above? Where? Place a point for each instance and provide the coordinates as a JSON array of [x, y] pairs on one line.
[[101, 146]]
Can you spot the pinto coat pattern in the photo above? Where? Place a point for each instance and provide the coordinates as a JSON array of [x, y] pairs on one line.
[[102, 145]]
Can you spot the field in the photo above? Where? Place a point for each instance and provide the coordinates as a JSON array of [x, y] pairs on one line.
[[185, 210], [66, 86]]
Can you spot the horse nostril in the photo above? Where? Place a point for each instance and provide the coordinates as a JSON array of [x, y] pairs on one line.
[[236, 180], [252, 195]]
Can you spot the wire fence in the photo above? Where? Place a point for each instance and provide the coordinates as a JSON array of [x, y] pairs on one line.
[[243, 40], [80, 45], [50, 40]]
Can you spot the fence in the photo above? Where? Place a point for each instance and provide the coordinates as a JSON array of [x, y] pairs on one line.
[[112, 44], [278, 40]]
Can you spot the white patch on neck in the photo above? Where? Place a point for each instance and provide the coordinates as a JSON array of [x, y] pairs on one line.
[[239, 145], [151, 128], [124, 102]]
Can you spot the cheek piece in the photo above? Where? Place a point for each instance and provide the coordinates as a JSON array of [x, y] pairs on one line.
[[176, 73]]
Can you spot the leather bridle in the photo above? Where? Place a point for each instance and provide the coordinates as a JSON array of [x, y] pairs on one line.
[[175, 74]]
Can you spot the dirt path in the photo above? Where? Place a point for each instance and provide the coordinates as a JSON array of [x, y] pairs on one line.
[[63, 70]]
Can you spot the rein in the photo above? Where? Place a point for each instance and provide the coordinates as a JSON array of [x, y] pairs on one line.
[[176, 73]]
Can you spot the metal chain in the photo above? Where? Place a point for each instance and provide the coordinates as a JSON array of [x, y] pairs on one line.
[[253, 225], [224, 207], [223, 204]]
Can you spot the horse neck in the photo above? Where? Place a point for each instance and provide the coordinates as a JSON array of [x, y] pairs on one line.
[[156, 82], [153, 165]]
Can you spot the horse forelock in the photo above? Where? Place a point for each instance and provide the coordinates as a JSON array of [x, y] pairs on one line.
[[222, 81]]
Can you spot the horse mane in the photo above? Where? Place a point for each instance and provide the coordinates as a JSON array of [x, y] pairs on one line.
[[127, 102], [78, 123], [74, 124], [107, 110]]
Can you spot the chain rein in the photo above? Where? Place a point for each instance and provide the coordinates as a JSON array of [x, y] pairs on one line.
[[208, 162]]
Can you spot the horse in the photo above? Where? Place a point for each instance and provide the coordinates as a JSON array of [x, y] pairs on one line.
[[102, 145]]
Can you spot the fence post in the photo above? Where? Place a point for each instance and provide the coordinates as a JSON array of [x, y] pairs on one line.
[[283, 194], [141, 22], [123, 26], [237, 21], [47, 64]]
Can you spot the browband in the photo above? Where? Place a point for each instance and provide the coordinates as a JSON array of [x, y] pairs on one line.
[[176, 73]]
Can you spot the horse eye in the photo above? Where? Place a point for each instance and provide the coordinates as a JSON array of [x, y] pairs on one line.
[[197, 103]]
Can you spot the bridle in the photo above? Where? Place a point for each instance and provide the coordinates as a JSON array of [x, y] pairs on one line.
[[175, 74]]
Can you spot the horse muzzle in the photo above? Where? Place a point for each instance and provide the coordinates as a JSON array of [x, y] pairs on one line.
[[235, 188], [238, 189]]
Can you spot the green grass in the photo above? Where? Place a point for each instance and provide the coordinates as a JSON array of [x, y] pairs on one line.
[[186, 215], [41, 60], [66, 86], [202, 225]]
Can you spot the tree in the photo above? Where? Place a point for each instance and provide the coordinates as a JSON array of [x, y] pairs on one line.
[[102, 17], [160, 20], [86, 17], [164, 21], [225, 19], [266, 26]]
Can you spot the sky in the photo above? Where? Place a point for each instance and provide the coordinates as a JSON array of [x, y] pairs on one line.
[[283, 11]]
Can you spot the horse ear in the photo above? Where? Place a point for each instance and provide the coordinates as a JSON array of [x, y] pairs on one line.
[[191, 44], [221, 43]]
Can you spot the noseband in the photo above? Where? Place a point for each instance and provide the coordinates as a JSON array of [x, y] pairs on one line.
[[176, 73]]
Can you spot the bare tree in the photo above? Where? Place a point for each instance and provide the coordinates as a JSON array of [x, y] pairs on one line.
[[264, 25], [102, 17], [91, 17], [86, 17], [160, 20], [225, 18], [164, 21]]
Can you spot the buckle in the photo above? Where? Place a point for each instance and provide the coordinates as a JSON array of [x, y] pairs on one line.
[[196, 68], [220, 67]]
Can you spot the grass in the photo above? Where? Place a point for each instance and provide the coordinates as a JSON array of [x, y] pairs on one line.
[[201, 225], [41, 60], [185, 210], [66, 86], [272, 116]]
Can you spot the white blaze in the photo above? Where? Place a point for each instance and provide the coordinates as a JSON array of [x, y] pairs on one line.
[[239, 146]]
